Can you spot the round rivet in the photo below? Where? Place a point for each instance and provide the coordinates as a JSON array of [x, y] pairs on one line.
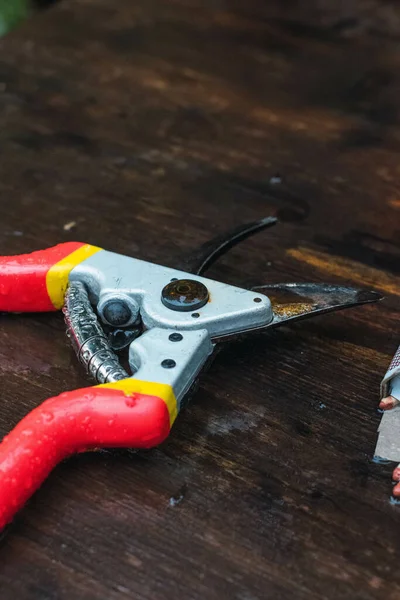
[[168, 363], [117, 313], [184, 295], [175, 337], [257, 299]]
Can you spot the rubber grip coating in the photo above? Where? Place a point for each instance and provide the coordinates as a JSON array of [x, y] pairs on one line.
[[24, 281], [97, 417]]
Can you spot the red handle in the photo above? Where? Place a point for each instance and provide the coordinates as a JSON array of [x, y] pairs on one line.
[[37, 282], [101, 416]]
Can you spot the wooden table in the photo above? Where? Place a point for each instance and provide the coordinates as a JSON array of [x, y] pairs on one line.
[[145, 127]]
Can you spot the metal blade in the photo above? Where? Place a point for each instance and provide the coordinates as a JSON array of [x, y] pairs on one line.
[[202, 258], [295, 301], [388, 444]]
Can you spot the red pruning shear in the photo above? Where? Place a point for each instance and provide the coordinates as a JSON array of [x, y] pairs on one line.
[[172, 321]]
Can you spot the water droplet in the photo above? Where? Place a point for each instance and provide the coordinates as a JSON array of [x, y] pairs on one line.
[[175, 501], [275, 179], [130, 402], [27, 432], [179, 497], [111, 422], [47, 416]]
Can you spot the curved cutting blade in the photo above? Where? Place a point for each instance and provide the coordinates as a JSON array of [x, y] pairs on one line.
[[294, 301]]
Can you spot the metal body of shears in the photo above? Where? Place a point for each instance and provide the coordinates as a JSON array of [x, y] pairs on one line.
[[170, 319]]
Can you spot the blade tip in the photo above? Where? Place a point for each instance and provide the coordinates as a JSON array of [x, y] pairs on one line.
[[369, 296]]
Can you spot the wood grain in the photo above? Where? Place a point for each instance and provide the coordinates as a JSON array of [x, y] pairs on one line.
[[153, 125]]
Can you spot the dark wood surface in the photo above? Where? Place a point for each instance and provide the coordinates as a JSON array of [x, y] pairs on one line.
[[152, 125]]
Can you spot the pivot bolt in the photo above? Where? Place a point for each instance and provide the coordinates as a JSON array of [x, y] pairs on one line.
[[184, 295], [118, 310], [117, 313]]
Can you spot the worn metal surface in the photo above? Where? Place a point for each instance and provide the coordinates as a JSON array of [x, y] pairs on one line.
[[388, 444], [295, 301], [140, 127]]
